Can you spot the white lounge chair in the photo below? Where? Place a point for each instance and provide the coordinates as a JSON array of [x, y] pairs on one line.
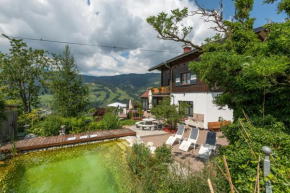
[[209, 146], [151, 147], [177, 136], [193, 136]]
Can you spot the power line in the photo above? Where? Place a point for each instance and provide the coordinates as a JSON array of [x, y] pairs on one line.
[[93, 45]]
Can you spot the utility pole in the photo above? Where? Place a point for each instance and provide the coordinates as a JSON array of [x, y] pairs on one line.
[[267, 168]]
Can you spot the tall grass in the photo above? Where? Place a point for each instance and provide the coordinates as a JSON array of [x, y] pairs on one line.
[[159, 172]]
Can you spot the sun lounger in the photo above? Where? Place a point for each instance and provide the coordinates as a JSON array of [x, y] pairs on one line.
[[177, 136], [209, 146], [71, 138], [151, 147], [186, 143]]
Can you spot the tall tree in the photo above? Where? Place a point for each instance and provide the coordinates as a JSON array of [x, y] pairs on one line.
[[23, 73], [70, 94], [253, 72]]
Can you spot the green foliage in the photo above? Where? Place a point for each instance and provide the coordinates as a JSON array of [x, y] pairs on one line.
[[24, 73], [243, 64], [171, 113], [163, 154], [91, 110], [70, 97], [48, 127], [245, 146], [283, 5], [2, 110], [138, 113], [51, 125], [110, 121], [128, 122], [157, 173], [170, 26], [30, 119]]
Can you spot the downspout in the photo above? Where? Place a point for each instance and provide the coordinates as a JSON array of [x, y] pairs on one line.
[[171, 79]]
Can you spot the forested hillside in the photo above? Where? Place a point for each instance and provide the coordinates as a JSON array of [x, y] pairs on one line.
[[120, 88]]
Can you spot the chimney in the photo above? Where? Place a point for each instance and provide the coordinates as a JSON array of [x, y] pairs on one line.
[[186, 49]]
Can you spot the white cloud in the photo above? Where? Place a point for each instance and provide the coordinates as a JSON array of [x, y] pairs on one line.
[[103, 22]]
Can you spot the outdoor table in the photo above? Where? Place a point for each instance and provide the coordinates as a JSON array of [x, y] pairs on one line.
[[149, 119]]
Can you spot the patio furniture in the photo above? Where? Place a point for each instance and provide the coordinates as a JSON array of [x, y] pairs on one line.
[[177, 136], [151, 147], [137, 124], [186, 143], [149, 125], [146, 124], [209, 146]]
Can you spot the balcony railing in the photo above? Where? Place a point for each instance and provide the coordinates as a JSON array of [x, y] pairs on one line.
[[163, 90]]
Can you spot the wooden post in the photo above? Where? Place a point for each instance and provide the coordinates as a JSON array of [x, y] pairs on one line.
[[257, 185], [210, 186], [228, 174], [226, 177]]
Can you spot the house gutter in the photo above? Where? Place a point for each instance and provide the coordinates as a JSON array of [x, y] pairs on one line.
[[171, 79]]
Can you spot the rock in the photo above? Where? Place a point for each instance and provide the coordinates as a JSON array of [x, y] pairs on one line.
[[30, 136]]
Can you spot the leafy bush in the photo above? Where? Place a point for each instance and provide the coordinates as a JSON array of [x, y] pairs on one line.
[[49, 127], [110, 121], [30, 119], [246, 140], [163, 154], [171, 113], [158, 173], [91, 110]]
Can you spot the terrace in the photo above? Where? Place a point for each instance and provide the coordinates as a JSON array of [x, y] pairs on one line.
[[163, 90]]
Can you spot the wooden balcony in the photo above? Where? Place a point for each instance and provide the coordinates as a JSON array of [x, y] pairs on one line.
[[163, 90]]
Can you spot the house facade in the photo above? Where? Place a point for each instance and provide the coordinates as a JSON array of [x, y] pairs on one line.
[[178, 82]]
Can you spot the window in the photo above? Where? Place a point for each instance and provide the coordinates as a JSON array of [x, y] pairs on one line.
[[185, 78], [189, 109]]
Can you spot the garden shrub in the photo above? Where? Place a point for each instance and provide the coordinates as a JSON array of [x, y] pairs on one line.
[[246, 140], [110, 121], [158, 173], [138, 113], [48, 127], [163, 154]]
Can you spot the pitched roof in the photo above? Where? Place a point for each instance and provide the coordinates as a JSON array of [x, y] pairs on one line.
[[157, 67], [145, 94], [173, 59]]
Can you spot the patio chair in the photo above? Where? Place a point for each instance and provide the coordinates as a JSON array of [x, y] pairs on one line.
[[177, 136], [151, 147], [209, 146], [186, 143]]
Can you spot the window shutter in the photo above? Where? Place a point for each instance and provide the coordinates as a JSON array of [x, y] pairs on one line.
[[193, 79], [177, 80]]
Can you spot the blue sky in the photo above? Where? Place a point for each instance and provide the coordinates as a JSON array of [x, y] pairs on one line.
[[260, 11]]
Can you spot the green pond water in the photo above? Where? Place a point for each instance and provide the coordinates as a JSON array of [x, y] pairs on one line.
[[90, 168]]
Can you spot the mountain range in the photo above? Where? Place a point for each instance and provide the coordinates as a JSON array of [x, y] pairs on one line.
[[120, 88]]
